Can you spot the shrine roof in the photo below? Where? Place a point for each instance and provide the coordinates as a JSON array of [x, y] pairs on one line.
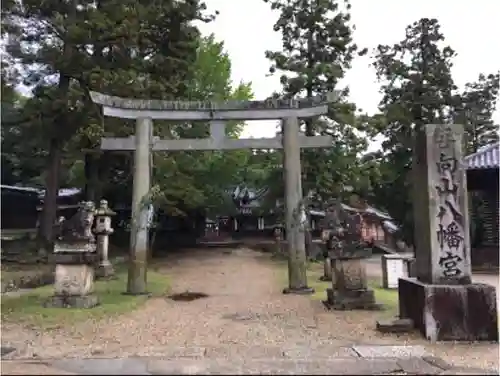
[[390, 226], [20, 189], [488, 157], [64, 192]]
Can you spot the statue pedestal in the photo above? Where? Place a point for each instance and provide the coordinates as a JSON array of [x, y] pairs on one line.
[[74, 275], [105, 271], [349, 290]]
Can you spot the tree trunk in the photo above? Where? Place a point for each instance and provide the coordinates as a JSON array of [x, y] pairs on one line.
[[50, 200], [92, 184], [49, 214]]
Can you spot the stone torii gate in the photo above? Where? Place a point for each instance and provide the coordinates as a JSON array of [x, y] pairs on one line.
[[217, 114]]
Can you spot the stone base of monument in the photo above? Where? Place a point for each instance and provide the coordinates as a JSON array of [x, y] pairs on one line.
[[298, 291], [450, 312], [351, 299], [74, 279], [349, 289], [396, 325], [105, 271], [76, 301]]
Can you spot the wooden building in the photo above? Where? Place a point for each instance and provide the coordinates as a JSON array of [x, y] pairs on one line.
[[19, 207], [482, 184], [250, 216], [68, 200], [377, 227]]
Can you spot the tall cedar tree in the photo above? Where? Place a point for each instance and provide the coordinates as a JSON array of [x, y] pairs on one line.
[[122, 47], [417, 89], [317, 51]]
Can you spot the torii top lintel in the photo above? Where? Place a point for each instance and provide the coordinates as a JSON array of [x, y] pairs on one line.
[[208, 110]]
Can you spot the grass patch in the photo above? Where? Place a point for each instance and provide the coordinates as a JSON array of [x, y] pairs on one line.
[[389, 298], [28, 309], [15, 276]]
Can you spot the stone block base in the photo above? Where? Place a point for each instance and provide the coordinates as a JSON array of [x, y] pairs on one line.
[[351, 299], [396, 325], [299, 291], [105, 271], [74, 280], [450, 312], [86, 301]]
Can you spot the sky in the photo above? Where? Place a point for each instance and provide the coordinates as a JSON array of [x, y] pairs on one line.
[[246, 27]]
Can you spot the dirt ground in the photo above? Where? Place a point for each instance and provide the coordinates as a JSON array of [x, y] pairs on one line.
[[245, 309]]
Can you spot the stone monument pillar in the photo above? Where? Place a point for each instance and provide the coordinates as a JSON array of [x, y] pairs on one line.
[[75, 256], [349, 288], [441, 300], [102, 230]]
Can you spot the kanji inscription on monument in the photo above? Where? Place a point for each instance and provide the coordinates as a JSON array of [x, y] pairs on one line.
[[447, 176]]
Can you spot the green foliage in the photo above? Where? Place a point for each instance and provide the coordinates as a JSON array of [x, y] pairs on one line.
[[475, 108], [127, 48], [317, 50], [418, 89], [194, 179]]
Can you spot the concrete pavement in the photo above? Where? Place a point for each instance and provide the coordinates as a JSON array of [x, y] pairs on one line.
[[330, 360], [354, 360]]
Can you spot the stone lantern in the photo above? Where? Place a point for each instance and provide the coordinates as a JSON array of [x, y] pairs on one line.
[[102, 230]]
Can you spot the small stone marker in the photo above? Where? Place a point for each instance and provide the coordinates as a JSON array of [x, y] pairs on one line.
[[393, 268], [395, 326], [442, 301], [103, 229], [75, 256]]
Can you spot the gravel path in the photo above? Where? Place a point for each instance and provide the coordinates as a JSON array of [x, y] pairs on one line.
[[244, 312], [245, 305]]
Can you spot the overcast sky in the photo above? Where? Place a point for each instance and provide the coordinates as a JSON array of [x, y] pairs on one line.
[[472, 28]]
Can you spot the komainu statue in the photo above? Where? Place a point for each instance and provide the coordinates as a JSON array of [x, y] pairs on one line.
[[79, 226]]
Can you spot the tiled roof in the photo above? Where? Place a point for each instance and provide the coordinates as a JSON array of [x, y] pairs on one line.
[[488, 157]]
